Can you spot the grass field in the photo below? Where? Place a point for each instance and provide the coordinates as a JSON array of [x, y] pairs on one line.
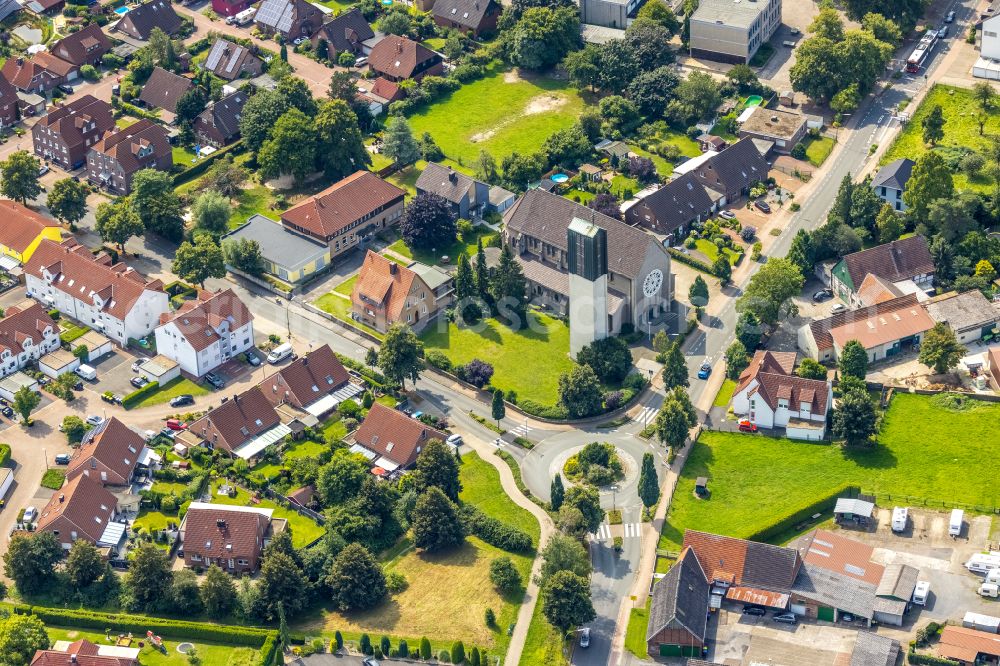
[[923, 448], [818, 149], [960, 129], [528, 360], [635, 634], [542, 645], [725, 393], [53, 479], [711, 251], [340, 307], [305, 449], [480, 481], [209, 654], [252, 201], [466, 245], [502, 114], [172, 389]]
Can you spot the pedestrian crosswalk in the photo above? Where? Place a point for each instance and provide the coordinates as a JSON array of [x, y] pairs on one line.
[[645, 415], [629, 530], [521, 430], [632, 529]]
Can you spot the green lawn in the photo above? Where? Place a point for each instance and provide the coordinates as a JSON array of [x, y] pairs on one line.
[[172, 389], [53, 478], [346, 287], [337, 6], [434, 43], [305, 449], [480, 484], [340, 307], [209, 654], [501, 114], [923, 448], [960, 130], [711, 251], [529, 360], [725, 393], [542, 645], [151, 521], [635, 634], [252, 201], [466, 245], [818, 149], [183, 157], [334, 428], [304, 530]]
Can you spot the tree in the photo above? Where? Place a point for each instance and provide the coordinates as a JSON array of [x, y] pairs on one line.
[[749, 330], [564, 553], [298, 95], [210, 211], [543, 36], [486, 168], [156, 203], [199, 261], [888, 224], [811, 369], [933, 125], [399, 356], [435, 522], [280, 587], [854, 419], [660, 13], [846, 100], [356, 579], [985, 270], [509, 286], [882, 28], [649, 485], [505, 576], [84, 564], [184, 593], [425, 649], [244, 254], [225, 177], [20, 637], [20, 177], [675, 418], [146, 586], [939, 349], [801, 251], [737, 360], [395, 23], [698, 292], [675, 369], [162, 49], [428, 222], [498, 409], [31, 559], [67, 200], [371, 357], [117, 222], [853, 360], [218, 592], [466, 294], [259, 116], [610, 358], [566, 601], [580, 392], [865, 205], [721, 268], [398, 142], [340, 479], [584, 66], [25, 401], [984, 95], [556, 493], [474, 658], [929, 181], [769, 293], [696, 98], [437, 467], [617, 65], [190, 105], [291, 147], [827, 24], [586, 500], [74, 427]]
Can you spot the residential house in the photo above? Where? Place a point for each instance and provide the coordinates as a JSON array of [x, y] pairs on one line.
[[230, 7], [21, 232], [379, 94], [884, 330], [289, 18], [84, 653], [968, 646], [875, 290], [242, 427], [672, 209], [874, 650], [733, 172], [287, 255], [348, 212], [111, 298], [472, 17], [391, 439], [9, 103], [640, 285], [386, 293], [45, 7], [782, 128], [82, 509], [992, 367], [398, 58], [115, 159], [139, 21], [315, 383], [206, 333], [230, 537], [732, 32], [230, 61], [890, 182], [905, 260], [344, 33], [615, 14], [219, 124], [770, 395], [987, 66], [467, 196], [678, 611], [112, 455], [163, 89], [969, 314], [27, 333], [8, 8], [38, 74], [83, 47], [65, 134]]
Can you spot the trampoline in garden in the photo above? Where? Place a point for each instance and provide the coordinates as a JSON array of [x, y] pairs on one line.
[[753, 100], [184, 648]]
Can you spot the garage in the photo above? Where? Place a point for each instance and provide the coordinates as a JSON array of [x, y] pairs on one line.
[[160, 369], [58, 363], [97, 345], [11, 384]]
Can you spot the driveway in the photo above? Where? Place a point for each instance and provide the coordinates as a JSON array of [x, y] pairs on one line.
[[114, 371]]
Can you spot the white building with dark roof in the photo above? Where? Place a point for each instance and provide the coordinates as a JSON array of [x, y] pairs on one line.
[[890, 182]]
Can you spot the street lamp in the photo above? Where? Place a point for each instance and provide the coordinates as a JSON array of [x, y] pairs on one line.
[[614, 496]]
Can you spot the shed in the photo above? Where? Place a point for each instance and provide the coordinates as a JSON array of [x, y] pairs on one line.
[[981, 622], [849, 510], [160, 369], [814, 122], [58, 363], [701, 485], [97, 345], [10, 384], [786, 98]]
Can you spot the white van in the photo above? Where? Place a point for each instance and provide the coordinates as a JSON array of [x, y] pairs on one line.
[[900, 516], [920, 592], [955, 523], [86, 372], [982, 563], [280, 353], [991, 590]]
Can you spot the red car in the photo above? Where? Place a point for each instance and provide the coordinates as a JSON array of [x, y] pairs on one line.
[[174, 424], [747, 426]]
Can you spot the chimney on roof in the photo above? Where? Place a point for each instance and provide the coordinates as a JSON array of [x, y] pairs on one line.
[[774, 118], [399, 46], [392, 268], [20, 61], [62, 498], [221, 523], [305, 359], [452, 176], [236, 397], [72, 658]]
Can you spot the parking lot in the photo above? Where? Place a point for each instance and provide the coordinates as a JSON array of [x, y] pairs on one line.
[[114, 371], [733, 635]]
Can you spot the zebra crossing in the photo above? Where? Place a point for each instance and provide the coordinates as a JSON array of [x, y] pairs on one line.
[[630, 530], [645, 415], [521, 430]]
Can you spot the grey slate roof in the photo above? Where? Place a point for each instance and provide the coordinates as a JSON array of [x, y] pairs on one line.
[[467, 13], [898, 581], [964, 311], [226, 113], [680, 599], [141, 20], [546, 216], [894, 174], [278, 245], [874, 650], [8, 7], [445, 181], [347, 31], [164, 89], [836, 590], [738, 166], [677, 203]]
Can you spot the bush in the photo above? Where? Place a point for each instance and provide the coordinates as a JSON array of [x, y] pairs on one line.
[[444, 657], [504, 575], [496, 533], [90, 73], [929, 660], [690, 261], [748, 233], [437, 358], [395, 582], [4, 453], [799, 151], [489, 617], [365, 644], [137, 395]]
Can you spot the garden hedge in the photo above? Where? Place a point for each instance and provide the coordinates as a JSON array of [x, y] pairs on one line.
[[825, 503], [929, 660], [4, 453], [496, 533], [137, 395], [202, 165], [690, 261]]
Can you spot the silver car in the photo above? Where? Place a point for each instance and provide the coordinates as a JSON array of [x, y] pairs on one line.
[[585, 637]]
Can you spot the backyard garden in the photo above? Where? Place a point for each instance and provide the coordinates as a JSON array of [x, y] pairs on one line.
[[208, 653]]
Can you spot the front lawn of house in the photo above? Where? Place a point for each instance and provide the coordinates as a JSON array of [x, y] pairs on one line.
[[635, 634], [340, 307], [53, 478], [818, 149], [711, 251], [502, 113], [467, 245], [209, 654], [923, 448], [172, 389], [304, 530], [725, 393], [528, 360]]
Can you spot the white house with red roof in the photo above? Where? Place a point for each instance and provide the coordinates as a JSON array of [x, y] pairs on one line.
[[111, 298], [771, 396], [205, 333], [26, 334]]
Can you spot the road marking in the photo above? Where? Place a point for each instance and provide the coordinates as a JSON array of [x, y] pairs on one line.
[[603, 532], [632, 530], [521, 431], [645, 415]]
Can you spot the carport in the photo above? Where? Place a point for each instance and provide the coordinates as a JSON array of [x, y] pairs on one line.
[[10, 384]]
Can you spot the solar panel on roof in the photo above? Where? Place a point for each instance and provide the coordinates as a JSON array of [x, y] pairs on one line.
[[212, 61]]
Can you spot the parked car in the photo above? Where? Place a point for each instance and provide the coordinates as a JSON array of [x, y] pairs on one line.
[[786, 618], [454, 440], [30, 514], [943, 32], [68, 89], [215, 380], [253, 359], [727, 215], [95, 420], [747, 426], [298, 40], [7, 411], [181, 400], [370, 661], [822, 295], [168, 432], [136, 364], [138, 382], [762, 206], [705, 370], [86, 372], [175, 424], [62, 458], [839, 307], [846, 617], [585, 637], [42, 170], [361, 62], [949, 17], [754, 609], [44, 381]]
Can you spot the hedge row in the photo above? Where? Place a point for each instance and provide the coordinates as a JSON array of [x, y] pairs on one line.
[[690, 261], [4, 453], [929, 660], [372, 376], [553, 412], [202, 165], [496, 533], [817, 506], [137, 395]]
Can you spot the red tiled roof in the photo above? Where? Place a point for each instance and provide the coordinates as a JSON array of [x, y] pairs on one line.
[[20, 72], [69, 120], [966, 644], [84, 503], [115, 445], [86, 655], [200, 320], [80, 46], [234, 422], [385, 89], [384, 283], [307, 379], [766, 361], [395, 435], [744, 563], [19, 325], [124, 144], [398, 56], [346, 201], [773, 372], [218, 530]]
